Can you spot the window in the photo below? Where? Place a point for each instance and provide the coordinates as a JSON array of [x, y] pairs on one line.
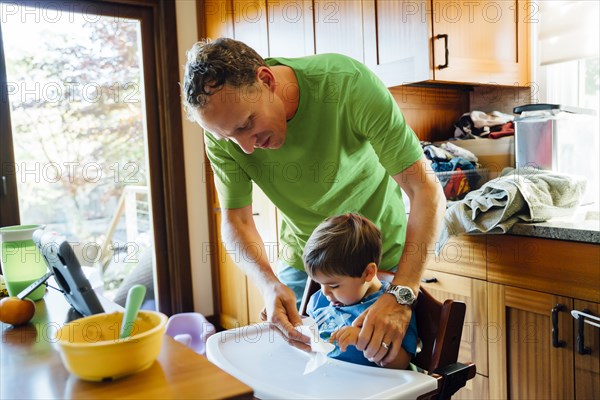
[[566, 67], [72, 81]]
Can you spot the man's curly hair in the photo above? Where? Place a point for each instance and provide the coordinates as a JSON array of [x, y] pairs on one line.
[[212, 64]]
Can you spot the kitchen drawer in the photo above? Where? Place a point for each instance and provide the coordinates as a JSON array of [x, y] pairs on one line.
[[473, 292], [462, 255], [553, 266]]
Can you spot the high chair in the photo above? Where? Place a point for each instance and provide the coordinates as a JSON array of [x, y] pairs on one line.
[[440, 328]]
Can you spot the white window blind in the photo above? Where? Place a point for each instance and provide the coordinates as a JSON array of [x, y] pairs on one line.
[[568, 30]]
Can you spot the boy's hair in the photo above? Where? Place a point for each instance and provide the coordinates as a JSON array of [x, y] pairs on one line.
[[343, 245], [212, 64]]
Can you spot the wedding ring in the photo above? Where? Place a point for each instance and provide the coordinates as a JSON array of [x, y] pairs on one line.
[[385, 345]]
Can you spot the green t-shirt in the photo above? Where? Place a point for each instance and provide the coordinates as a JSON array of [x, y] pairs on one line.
[[347, 139]]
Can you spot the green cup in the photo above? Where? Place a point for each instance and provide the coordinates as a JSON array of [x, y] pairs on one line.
[[22, 262]]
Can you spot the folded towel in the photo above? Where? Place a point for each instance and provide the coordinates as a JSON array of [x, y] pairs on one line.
[[524, 194]]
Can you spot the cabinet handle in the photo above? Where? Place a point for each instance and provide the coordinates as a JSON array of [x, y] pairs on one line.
[[555, 341], [582, 317], [429, 280], [256, 214], [446, 51], [4, 191]]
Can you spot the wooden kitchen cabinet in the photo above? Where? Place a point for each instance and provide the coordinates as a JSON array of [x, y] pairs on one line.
[[290, 27], [523, 361], [587, 365], [388, 36], [473, 346], [395, 40], [487, 41], [232, 288], [463, 255], [458, 272], [401, 41], [240, 302], [533, 285]]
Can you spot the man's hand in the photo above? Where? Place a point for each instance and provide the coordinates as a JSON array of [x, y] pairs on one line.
[[280, 311], [345, 336], [386, 322]]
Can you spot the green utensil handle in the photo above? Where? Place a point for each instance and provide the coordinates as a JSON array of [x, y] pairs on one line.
[[135, 296]]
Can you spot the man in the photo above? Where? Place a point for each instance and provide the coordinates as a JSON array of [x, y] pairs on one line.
[[321, 136]]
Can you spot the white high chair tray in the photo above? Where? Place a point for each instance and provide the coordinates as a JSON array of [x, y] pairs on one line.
[[259, 357]]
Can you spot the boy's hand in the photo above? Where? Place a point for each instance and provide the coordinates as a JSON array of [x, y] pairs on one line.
[[346, 336]]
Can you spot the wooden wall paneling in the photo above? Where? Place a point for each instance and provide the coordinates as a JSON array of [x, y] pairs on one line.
[[430, 111], [503, 99], [290, 26]]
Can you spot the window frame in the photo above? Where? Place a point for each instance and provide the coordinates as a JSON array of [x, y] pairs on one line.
[[165, 143]]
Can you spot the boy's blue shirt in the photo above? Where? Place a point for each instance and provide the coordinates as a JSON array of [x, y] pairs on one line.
[[330, 319]]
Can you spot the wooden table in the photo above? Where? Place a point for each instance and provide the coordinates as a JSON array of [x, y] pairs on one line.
[[31, 368]]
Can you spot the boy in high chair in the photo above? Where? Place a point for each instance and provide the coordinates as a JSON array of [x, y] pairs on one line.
[[342, 255]]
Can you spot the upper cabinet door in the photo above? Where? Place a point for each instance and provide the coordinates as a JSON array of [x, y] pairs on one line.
[[250, 24], [484, 42], [215, 21], [339, 27], [396, 40], [290, 24]]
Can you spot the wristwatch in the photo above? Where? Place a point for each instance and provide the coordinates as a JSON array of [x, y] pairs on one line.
[[403, 294]]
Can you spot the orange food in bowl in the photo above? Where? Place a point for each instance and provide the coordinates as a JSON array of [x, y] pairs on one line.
[[90, 347], [15, 311]]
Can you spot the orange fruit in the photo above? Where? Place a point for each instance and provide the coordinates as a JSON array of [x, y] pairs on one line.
[[16, 312]]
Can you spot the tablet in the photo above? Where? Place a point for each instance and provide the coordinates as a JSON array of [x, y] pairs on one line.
[[69, 276]]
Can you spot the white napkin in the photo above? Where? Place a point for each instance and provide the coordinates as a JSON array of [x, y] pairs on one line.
[[319, 347]]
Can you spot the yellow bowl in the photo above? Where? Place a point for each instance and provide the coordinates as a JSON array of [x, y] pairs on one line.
[[90, 347]]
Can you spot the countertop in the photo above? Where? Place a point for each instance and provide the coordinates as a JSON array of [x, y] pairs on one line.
[[582, 226], [31, 366]]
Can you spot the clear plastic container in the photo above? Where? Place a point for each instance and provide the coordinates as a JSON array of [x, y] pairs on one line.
[[22, 262]]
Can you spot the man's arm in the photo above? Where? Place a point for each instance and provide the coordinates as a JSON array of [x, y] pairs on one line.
[[386, 321], [238, 229]]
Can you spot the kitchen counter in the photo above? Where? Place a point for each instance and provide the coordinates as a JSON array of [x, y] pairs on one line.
[[583, 226]]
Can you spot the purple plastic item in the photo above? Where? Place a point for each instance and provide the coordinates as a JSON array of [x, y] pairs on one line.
[[192, 329]]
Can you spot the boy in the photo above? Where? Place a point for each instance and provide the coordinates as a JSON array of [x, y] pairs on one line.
[[342, 255]]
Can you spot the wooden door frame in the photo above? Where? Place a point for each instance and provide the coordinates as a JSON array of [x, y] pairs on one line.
[[165, 144]]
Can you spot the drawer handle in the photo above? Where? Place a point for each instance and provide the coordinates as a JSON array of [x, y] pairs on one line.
[[555, 341], [584, 316], [429, 280], [447, 53]]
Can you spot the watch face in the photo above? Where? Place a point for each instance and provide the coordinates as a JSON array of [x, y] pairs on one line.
[[405, 295]]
